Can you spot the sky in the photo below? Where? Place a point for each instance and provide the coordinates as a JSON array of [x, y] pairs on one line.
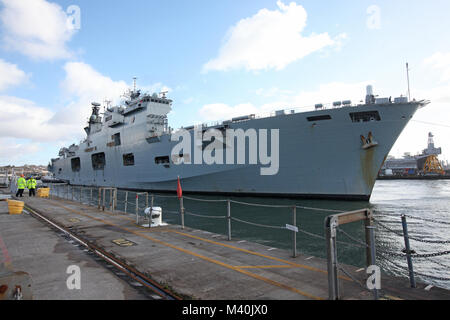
[[217, 59]]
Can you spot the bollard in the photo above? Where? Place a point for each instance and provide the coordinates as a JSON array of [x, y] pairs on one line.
[[412, 280], [182, 212], [229, 219]]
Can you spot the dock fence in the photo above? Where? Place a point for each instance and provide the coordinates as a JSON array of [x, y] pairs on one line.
[[133, 202]]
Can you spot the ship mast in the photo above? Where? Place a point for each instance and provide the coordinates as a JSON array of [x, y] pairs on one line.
[[407, 76], [134, 84]]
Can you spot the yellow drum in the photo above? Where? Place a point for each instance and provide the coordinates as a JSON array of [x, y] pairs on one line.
[[15, 207], [43, 192]]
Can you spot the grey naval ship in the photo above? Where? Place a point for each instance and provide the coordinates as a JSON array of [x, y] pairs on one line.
[[332, 152]]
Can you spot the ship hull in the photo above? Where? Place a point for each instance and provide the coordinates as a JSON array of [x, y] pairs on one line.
[[322, 159]]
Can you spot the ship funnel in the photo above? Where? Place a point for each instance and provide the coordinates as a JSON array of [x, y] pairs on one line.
[[370, 90]]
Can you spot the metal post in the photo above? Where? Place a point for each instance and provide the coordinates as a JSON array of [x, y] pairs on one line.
[[67, 191], [90, 201], [110, 199], [71, 189], [330, 231], [81, 194], [229, 219], [126, 201], [137, 209], [368, 223], [182, 212], [408, 252], [294, 234], [115, 200], [104, 199], [371, 244], [99, 198], [151, 212]]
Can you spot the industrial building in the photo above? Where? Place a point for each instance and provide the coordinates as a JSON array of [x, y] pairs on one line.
[[424, 164]]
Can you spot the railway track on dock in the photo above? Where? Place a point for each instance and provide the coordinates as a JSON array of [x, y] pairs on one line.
[[134, 274]]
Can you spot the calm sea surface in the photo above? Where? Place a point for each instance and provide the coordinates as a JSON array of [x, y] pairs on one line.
[[428, 201]]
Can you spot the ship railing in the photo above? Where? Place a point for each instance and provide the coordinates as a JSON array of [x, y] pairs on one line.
[[284, 111], [190, 209]]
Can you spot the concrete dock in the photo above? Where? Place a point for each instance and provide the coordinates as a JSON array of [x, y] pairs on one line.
[[194, 264]]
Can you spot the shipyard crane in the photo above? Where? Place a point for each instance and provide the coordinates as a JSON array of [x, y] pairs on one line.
[[432, 164]]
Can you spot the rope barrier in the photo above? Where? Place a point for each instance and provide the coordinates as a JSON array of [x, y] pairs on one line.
[[260, 205], [428, 220], [412, 238], [204, 200], [352, 238], [204, 216], [355, 242], [319, 209], [257, 224]]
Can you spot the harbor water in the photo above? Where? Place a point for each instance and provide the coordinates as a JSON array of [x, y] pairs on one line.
[[426, 205]]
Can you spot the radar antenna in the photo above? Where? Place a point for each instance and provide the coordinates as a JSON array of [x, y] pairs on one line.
[[134, 84], [163, 94]]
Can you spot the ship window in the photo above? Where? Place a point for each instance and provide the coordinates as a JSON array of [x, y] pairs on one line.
[[162, 160], [365, 116], [98, 161], [319, 118], [128, 159], [76, 164], [116, 139]]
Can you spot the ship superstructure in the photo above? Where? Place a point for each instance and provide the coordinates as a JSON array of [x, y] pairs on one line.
[[332, 152]]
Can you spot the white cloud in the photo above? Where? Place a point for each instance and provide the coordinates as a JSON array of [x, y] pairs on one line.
[[36, 28], [440, 61], [13, 150], [326, 94], [221, 111], [10, 75], [269, 40], [22, 119]]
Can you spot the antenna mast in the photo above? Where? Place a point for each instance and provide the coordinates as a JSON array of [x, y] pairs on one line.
[[407, 75], [134, 84]]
